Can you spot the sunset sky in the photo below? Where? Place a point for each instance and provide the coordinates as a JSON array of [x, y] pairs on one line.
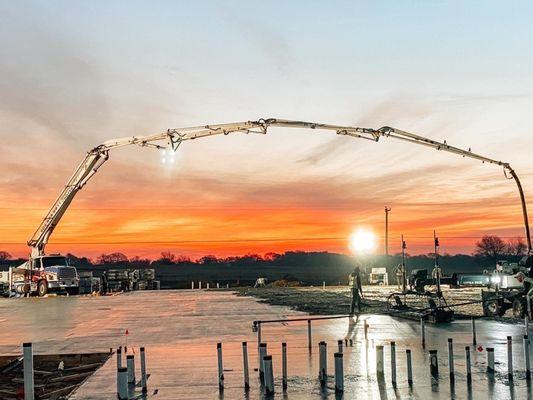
[[74, 74]]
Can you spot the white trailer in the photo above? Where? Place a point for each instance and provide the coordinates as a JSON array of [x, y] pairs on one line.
[[379, 276]]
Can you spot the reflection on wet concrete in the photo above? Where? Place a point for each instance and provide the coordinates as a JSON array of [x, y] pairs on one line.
[[180, 330]]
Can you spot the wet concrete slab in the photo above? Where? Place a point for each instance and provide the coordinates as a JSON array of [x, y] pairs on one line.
[[180, 330]]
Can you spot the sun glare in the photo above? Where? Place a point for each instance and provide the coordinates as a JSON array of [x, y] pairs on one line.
[[362, 241]]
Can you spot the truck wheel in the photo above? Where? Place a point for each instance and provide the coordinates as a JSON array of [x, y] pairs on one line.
[[519, 307], [42, 288], [493, 308]]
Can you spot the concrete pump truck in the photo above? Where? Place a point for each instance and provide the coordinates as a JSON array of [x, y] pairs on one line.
[[42, 273]]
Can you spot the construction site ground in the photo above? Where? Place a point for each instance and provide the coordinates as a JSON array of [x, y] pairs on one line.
[[336, 299]]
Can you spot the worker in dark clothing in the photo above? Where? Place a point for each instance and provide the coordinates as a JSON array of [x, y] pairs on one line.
[[357, 290]]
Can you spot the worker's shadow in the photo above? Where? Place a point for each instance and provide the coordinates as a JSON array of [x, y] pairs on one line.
[[352, 325]]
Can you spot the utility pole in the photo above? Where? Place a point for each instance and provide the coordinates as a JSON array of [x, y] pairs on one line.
[[404, 269], [387, 210], [437, 267]]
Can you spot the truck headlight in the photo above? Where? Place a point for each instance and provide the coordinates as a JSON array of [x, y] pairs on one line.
[[496, 279]]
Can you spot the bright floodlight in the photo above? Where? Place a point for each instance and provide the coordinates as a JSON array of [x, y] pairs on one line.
[[362, 241], [167, 156]]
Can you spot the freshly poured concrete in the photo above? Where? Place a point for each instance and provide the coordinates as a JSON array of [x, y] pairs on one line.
[[180, 330]]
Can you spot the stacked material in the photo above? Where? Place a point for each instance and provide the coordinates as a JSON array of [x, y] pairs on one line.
[[147, 274], [88, 283]]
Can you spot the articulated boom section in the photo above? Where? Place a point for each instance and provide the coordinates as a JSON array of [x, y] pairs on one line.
[[83, 173], [174, 137]]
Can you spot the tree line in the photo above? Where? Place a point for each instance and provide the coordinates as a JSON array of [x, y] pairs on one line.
[[487, 251]]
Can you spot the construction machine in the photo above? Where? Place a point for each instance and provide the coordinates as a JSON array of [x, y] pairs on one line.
[[41, 275], [171, 139], [505, 291], [417, 301]]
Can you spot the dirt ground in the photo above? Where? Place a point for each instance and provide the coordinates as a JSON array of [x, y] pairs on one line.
[[336, 299]]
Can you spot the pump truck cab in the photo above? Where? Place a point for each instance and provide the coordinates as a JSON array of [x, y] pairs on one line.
[[44, 274]]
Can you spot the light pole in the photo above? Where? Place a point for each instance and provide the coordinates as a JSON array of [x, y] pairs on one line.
[[387, 210]]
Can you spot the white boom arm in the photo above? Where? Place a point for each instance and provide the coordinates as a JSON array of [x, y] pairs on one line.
[[100, 154]]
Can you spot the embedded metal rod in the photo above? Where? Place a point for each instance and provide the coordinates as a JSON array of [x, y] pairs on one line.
[[434, 364], [27, 352], [122, 383], [323, 362], [490, 361], [474, 339], [220, 367], [130, 364], [451, 367], [143, 371], [409, 367], [526, 357], [245, 365], [423, 331], [379, 361], [510, 358], [468, 366], [284, 365], [393, 362], [258, 335], [262, 354], [339, 373], [269, 375], [119, 357], [309, 345]]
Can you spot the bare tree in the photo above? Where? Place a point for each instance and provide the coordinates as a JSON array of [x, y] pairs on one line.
[[111, 258], [183, 259], [139, 260], [491, 247], [208, 260], [168, 256], [4, 255], [516, 247]]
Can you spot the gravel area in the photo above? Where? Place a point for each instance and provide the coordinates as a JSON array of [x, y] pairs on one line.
[[336, 299]]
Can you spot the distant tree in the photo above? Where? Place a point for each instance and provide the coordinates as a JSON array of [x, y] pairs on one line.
[[168, 256], [516, 247], [492, 247], [112, 258], [208, 260], [271, 256], [248, 259], [139, 260], [183, 259], [4, 255]]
